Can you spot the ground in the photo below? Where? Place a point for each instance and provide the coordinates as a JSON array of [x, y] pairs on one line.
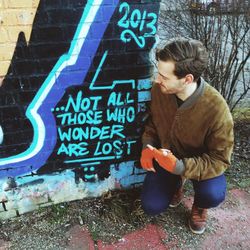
[[117, 218]]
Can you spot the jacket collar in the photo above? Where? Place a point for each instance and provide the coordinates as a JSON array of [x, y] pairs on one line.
[[195, 96]]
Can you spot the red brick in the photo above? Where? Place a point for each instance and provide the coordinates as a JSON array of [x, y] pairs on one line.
[[149, 238], [79, 239]]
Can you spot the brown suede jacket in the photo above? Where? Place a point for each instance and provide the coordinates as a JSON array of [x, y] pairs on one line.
[[199, 132]]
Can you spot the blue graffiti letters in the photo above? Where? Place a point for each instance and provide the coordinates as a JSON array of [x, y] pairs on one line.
[[151, 25], [124, 21], [82, 129], [89, 117], [115, 99], [73, 149], [129, 146], [146, 22], [81, 103], [116, 147], [121, 115], [101, 133], [107, 148]]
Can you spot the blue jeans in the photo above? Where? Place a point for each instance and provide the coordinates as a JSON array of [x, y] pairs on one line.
[[159, 188]]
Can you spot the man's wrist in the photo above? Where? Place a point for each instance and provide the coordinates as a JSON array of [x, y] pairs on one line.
[[179, 167]]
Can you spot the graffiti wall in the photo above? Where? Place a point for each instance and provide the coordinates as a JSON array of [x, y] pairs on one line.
[[75, 82]]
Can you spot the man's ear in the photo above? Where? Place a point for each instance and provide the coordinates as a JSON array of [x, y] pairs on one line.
[[189, 78]]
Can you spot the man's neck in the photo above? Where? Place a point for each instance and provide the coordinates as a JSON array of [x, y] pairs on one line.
[[188, 91]]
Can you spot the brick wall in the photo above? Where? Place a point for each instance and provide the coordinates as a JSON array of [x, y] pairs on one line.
[[74, 90]]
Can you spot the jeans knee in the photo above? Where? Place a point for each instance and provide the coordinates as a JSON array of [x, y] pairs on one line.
[[219, 198], [210, 199]]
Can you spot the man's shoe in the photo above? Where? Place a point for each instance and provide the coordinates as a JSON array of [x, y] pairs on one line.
[[179, 194], [177, 198], [198, 220]]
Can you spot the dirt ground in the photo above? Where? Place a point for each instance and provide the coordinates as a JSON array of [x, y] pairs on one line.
[[117, 213]]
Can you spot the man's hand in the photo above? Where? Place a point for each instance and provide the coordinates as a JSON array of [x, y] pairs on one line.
[[147, 159], [165, 158]]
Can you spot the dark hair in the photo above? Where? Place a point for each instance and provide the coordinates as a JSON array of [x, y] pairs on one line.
[[189, 55]]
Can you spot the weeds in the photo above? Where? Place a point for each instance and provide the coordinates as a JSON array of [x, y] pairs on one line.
[[57, 212]]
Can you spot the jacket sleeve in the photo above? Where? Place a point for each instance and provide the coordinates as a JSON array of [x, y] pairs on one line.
[[219, 143], [150, 134]]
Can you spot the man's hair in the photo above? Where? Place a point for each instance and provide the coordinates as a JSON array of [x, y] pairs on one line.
[[189, 55]]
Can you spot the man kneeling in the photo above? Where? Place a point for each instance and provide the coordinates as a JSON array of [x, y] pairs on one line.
[[189, 134]]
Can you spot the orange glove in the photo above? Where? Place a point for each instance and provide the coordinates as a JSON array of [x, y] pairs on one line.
[[147, 159], [165, 158]]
